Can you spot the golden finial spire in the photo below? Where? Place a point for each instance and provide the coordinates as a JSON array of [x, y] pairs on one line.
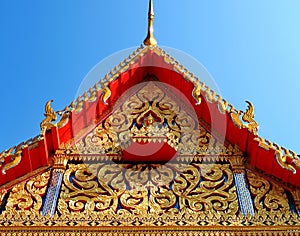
[[150, 40]]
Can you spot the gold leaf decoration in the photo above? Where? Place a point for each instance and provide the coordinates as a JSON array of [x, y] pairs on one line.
[[140, 190], [248, 117], [50, 116], [151, 116], [27, 197], [268, 196]]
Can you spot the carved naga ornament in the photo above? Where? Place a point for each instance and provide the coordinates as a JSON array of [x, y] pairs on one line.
[[248, 118], [50, 117]]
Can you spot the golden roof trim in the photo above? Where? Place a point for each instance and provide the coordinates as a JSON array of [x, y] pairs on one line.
[[247, 121], [16, 153]]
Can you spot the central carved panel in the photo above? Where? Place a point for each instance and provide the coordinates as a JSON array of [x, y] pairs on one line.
[[148, 191], [152, 124]]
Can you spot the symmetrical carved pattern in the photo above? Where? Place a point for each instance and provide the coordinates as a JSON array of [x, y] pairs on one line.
[[151, 231], [173, 195], [148, 190], [268, 197], [152, 116], [27, 197]]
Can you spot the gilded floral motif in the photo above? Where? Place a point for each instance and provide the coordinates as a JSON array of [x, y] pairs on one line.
[[152, 116], [141, 190], [268, 196], [27, 197]]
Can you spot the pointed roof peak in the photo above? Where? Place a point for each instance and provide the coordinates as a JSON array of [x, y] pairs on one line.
[[150, 40]]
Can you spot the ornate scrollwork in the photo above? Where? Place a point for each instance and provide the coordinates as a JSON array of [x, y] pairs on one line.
[[268, 197], [101, 194], [101, 141], [152, 116], [86, 192], [27, 197], [141, 190]]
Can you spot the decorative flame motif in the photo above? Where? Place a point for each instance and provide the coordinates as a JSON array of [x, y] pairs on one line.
[[247, 117], [106, 93], [50, 117]]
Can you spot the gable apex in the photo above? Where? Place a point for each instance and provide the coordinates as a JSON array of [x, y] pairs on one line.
[[238, 127]]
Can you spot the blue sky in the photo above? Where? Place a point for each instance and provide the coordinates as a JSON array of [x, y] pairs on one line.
[[251, 48]]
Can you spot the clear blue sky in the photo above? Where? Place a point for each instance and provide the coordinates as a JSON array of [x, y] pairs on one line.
[[251, 48]]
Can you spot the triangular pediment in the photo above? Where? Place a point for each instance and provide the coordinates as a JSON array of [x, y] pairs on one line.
[[151, 123], [151, 147], [225, 123]]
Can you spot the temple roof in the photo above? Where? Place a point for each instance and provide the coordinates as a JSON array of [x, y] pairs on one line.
[[240, 127], [150, 147]]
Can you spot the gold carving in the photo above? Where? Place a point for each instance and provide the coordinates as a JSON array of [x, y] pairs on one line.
[[287, 159], [197, 92], [152, 116], [92, 94], [210, 95], [235, 117], [237, 163], [27, 197], [248, 117], [171, 195], [64, 116], [269, 198], [60, 162], [78, 104], [50, 116], [263, 143], [154, 231], [151, 195], [101, 141], [143, 190], [106, 93], [16, 156], [282, 156], [85, 194], [222, 105]]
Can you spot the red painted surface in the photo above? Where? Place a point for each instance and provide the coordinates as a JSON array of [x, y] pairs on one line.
[[93, 112], [147, 152]]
